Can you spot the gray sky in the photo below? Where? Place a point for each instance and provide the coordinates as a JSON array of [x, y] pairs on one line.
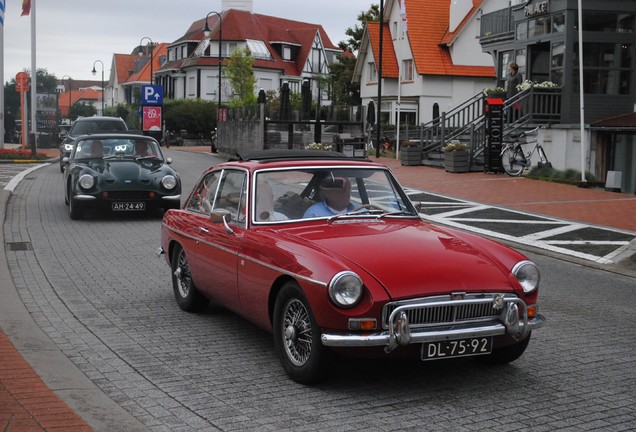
[[72, 34]]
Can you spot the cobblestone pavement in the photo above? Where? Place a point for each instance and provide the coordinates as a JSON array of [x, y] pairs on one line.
[[98, 292]]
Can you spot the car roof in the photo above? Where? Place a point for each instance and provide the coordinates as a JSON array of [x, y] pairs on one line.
[[100, 118], [259, 159], [116, 135]]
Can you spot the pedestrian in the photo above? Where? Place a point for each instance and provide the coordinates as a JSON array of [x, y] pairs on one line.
[[9, 127], [514, 79]]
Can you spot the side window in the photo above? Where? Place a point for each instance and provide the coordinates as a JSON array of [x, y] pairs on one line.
[[203, 196], [231, 194]]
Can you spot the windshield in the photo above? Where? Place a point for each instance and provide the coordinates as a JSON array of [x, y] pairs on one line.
[[130, 148], [97, 126], [287, 195]]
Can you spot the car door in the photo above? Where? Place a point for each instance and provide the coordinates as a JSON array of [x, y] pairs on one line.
[[219, 244]]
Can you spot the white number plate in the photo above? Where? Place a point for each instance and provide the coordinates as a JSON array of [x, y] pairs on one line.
[[129, 206], [456, 348]]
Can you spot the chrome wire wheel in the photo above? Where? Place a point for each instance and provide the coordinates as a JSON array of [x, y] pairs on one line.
[[182, 273], [297, 334], [185, 292]]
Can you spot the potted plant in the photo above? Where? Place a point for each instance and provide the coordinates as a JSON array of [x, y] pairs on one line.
[[410, 153], [456, 157], [495, 92]]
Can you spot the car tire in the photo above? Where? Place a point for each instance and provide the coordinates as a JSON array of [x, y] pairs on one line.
[[509, 353], [297, 336], [73, 209], [186, 293]]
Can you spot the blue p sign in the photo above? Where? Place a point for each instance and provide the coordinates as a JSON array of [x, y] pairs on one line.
[[151, 95]]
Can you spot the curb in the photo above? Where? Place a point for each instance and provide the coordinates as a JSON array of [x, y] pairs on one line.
[[51, 365]]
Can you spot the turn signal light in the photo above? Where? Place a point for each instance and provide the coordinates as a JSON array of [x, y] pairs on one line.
[[362, 324], [105, 194], [532, 311]]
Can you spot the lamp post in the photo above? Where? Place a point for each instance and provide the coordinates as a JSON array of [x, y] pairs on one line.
[[207, 32], [151, 49], [69, 95], [94, 72]]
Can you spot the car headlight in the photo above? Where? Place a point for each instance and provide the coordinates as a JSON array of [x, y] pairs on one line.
[[86, 181], [345, 289], [68, 147], [169, 182], [527, 274]]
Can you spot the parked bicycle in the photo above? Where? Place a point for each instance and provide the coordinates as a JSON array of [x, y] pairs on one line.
[[514, 160]]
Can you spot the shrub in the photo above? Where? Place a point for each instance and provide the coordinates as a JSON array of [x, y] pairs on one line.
[[14, 154]]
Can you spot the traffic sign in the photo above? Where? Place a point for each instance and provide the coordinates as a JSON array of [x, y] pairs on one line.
[[151, 94], [151, 118], [22, 77]]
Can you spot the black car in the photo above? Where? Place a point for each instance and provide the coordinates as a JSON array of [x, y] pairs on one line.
[[119, 173], [88, 126]]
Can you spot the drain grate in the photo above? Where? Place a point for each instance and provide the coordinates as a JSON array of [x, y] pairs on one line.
[[19, 246]]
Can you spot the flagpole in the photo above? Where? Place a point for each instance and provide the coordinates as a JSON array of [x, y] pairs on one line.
[[400, 65], [2, 5], [34, 86], [581, 92]]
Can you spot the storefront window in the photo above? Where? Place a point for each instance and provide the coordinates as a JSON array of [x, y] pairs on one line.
[[522, 30], [608, 22], [538, 26], [558, 22], [606, 68]]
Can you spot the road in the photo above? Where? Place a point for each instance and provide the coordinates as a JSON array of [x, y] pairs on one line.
[[98, 291]]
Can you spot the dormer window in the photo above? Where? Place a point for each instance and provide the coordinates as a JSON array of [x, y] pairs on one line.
[[258, 49], [286, 54]]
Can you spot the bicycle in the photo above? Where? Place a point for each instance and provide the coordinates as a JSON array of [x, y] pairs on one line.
[[514, 161]]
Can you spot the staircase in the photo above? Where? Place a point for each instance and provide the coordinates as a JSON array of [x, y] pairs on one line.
[[466, 123]]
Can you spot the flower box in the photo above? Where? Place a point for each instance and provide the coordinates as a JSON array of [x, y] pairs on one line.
[[457, 161], [411, 155]]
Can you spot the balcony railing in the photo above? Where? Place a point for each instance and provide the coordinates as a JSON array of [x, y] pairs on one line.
[[497, 24]]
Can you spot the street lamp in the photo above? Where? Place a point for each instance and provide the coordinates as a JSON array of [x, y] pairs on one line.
[[151, 49], [94, 72], [69, 95], [207, 32]]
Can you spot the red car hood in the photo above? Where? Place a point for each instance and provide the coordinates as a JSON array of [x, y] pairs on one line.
[[414, 258]]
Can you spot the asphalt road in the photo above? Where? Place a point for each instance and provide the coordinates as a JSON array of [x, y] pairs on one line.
[[97, 290]]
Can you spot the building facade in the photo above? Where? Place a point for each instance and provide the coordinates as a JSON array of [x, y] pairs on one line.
[[542, 37]]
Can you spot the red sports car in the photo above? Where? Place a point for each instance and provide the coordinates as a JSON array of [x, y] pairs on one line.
[[329, 254]]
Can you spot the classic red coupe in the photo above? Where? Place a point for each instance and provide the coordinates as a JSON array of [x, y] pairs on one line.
[[329, 254]]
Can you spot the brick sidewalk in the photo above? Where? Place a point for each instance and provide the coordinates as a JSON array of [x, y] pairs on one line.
[[26, 403]]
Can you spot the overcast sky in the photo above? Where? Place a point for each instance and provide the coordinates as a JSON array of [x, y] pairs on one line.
[[72, 34]]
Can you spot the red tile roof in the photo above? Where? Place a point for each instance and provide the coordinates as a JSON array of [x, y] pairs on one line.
[[390, 67], [143, 75], [239, 25], [86, 95], [427, 23]]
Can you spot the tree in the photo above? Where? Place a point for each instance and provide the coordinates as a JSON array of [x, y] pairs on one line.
[[82, 109], [46, 83], [355, 33], [239, 68]]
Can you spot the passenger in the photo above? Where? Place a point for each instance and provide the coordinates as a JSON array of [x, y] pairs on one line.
[[96, 150], [265, 203], [142, 149], [336, 195]]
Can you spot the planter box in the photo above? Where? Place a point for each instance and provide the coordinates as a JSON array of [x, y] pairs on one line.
[[457, 161], [411, 155]]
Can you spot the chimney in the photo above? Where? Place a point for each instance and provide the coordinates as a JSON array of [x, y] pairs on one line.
[[245, 5], [458, 11]]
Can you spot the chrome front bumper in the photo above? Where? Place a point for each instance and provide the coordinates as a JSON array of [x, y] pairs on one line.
[[513, 320]]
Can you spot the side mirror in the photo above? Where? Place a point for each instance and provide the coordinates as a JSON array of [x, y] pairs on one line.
[[168, 161], [221, 216], [65, 160]]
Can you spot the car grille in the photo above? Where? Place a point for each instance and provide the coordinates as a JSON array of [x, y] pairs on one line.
[[444, 311]]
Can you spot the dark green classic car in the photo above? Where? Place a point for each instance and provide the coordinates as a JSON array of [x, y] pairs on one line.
[[120, 173]]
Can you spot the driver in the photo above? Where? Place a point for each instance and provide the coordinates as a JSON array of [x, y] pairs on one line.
[[143, 149], [336, 195]]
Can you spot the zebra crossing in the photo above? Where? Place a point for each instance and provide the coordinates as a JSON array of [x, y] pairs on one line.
[[592, 243]]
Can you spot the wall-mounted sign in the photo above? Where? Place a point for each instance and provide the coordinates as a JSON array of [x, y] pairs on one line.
[[534, 9]]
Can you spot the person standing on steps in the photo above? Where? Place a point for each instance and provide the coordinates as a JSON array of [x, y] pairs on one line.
[[514, 79]]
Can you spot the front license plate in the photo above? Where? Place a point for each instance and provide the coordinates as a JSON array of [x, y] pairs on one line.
[[456, 348], [129, 206]]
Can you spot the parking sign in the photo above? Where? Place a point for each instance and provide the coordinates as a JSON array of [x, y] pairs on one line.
[[151, 94]]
